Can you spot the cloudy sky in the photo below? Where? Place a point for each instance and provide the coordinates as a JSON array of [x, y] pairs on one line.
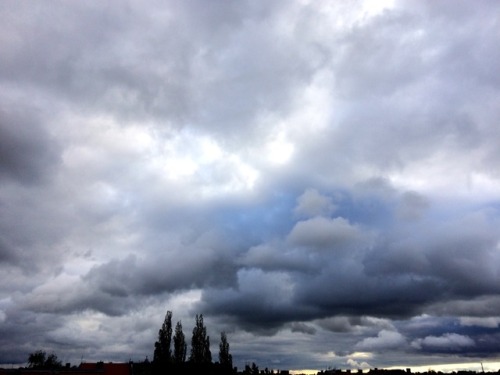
[[320, 180]]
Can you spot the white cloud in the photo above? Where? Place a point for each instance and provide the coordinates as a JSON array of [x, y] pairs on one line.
[[487, 322], [279, 149], [357, 364], [448, 341], [385, 340]]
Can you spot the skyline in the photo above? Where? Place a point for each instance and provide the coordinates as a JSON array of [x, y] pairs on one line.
[[320, 180]]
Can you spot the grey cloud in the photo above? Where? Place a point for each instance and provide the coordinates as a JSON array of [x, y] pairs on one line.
[[138, 134], [385, 340], [335, 290], [412, 206], [7, 252], [409, 132], [261, 301], [388, 276], [303, 328], [342, 291], [480, 306], [447, 342], [26, 331], [445, 255], [312, 203], [427, 44], [182, 270], [324, 233], [27, 152], [62, 297], [337, 324], [131, 71], [278, 256], [488, 322], [354, 323]]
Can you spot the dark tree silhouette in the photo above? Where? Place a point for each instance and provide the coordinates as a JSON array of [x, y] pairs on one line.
[[255, 369], [163, 353], [200, 344], [52, 362], [225, 358], [180, 346], [39, 360], [207, 354]]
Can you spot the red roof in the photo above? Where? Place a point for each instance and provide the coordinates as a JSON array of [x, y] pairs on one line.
[[108, 368]]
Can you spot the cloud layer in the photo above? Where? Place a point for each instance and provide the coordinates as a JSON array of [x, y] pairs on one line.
[[321, 181]]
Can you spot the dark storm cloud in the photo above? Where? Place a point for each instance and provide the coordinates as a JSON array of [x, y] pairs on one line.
[[356, 273], [25, 329], [304, 328], [183, 270], [454, 253], [317, 177], [261, 301], [480, 306], [28, 153], [352, 323]]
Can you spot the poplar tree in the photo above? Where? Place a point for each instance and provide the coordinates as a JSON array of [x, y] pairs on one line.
[[163, 353], [225, 359], [180, 346], [200, 343]]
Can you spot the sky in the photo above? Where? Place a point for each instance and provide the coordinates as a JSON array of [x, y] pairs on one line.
[[319, 179]]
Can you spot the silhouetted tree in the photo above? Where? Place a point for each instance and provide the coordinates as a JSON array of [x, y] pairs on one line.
[[180, 346], [39, 360], [200, 343], [255, 369], [163, 353], [52, 362], [225, 359], [207, 354]]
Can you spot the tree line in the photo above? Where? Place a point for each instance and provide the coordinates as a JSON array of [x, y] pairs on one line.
[[171, 359], [200, 359], [39, 360]]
